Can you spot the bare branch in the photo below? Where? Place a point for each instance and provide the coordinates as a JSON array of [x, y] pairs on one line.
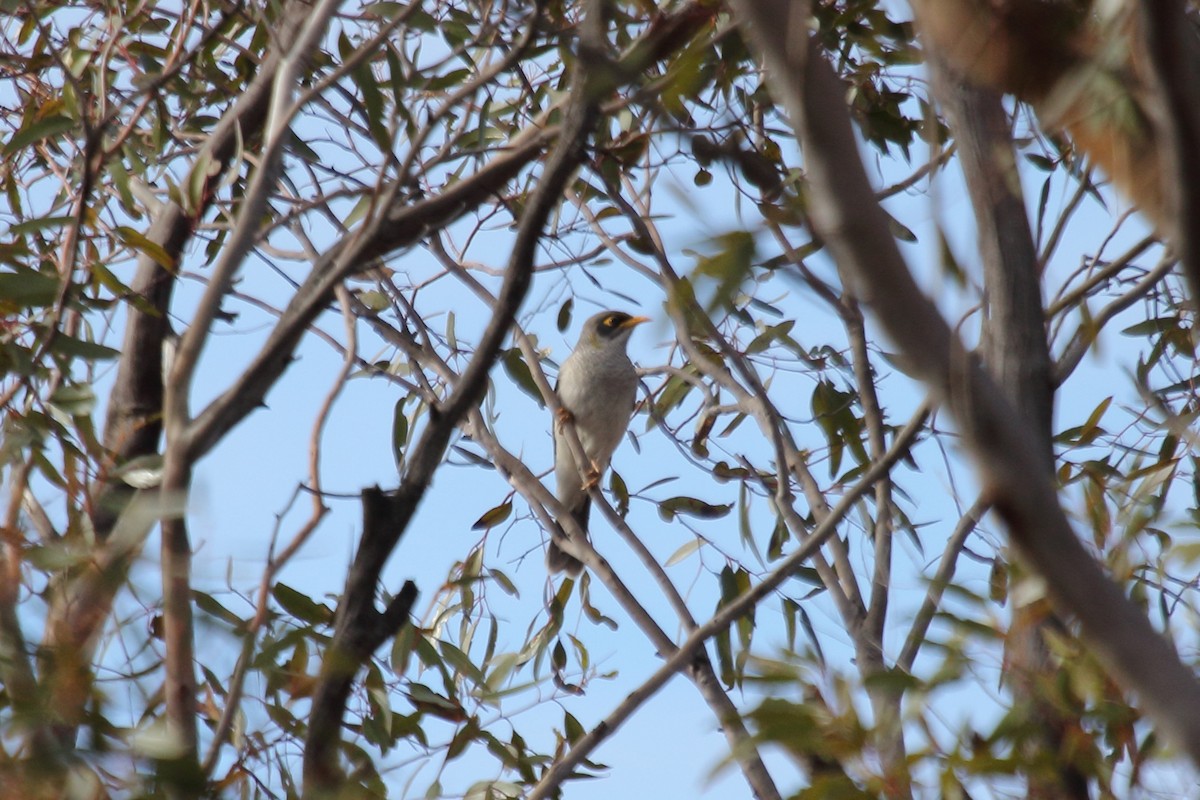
[[360, 628], [1018, 358], [581, 749], [1007, 453], [941, 579]]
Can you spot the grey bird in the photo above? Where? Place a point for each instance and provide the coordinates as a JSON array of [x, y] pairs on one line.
[[597, 387]]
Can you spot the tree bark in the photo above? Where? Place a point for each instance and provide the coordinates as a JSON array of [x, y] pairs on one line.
[[1009, 458], [1018, 357]]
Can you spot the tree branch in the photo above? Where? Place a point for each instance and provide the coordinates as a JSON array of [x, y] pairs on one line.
[[358, 627], [737, 608], [1007, 453], [1018, 358], [1173, 53]]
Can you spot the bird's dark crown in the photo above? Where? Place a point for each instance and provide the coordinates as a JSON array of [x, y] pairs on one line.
[[610, 324]]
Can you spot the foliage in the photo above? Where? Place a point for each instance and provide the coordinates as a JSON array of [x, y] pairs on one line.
[[203, 170]]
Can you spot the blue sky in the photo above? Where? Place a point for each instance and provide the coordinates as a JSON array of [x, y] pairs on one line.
[[671, 747]]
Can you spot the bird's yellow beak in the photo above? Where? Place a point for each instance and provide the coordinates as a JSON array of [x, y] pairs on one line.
[[632, 321]]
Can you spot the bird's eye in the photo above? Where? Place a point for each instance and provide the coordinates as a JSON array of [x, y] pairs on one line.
[[610, 321]]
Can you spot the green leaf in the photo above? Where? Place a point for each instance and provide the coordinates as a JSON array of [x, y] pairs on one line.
[[37, 131], [431, 702], [494, 516], [79, 348], [399, 432], [402, 649], [197, 180], [502, 668], [518, 370], [143, 245], [894, 681], [460, 662], [729, 266], [683, 552], [572, 728], [620, 492], [462, 738], [28, 288], [211, 606], [301, 606], [364, 78], [1156, 325], [563, 321], [74, 400], [359, 211], [39, 224], [57, 557], [998, 581], [672, 395], [374, 300], [808, 575], [692, 507], [723, 640], [745, 533]]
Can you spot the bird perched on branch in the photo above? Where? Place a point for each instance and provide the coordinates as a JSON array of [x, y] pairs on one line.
[[597, 387]]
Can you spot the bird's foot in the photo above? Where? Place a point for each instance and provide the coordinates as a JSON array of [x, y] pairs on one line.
[[593, 476], [564, 416]]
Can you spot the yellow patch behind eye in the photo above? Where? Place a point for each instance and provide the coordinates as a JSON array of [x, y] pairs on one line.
[[610, 321]]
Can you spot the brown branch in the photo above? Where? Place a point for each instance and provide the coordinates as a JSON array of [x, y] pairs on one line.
[[1008, 455], [359, 626], [178, 457], [1018, 358], [869, 637], [937, 586], [359, 629], [1173, 53], [737, 608], [133, 425]]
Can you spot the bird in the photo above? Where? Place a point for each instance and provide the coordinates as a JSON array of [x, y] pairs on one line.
[[597, 387]]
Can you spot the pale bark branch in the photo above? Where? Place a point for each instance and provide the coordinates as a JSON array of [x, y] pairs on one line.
[[359, 628], [937, 586], [1018, 357], [738, 607], [1008, 455], [752, 397]]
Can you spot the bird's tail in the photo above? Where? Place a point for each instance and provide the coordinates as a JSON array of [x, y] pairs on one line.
[[559, 561]]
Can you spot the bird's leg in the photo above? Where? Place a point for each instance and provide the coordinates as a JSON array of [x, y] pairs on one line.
[[593, 474]]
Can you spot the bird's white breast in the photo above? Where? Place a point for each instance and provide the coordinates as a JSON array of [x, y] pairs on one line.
[[599, 392]]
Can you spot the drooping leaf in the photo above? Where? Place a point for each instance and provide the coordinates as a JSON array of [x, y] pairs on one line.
[[493, 516], [692, 507]]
